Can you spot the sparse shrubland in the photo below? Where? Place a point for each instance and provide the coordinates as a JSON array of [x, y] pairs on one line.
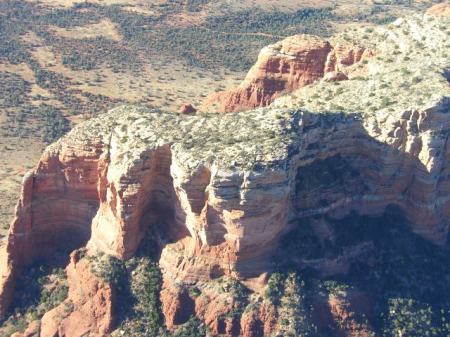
[[37, 291], [407, 281]]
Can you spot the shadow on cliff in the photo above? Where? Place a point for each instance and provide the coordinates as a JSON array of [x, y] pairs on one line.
[[447, 75], [365, 218], [340, 168], [401, 277]]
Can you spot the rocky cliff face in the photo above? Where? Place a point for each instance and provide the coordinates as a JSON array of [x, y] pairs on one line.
[[88, 307], [286, 66], [221, 189]]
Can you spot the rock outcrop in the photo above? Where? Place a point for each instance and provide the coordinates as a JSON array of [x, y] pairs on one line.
[[88, 307], [32, 330], [442, 9], [187, 109], [345, 309], [222, 188], [286, 66]]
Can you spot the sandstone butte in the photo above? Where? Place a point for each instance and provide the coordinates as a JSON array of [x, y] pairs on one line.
[[224, 187], [286, 66]]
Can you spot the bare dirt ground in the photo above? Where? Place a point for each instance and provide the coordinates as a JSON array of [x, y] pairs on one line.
[[167, 86], [70, 3]]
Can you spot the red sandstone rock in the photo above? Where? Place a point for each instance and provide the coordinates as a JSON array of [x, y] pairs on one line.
[[177, 305], [187, 109], [442, 9], [33, 330], [230, 217], [213, 308], [346, 309], [88, 308], [346, 314], [88, 186], [284, 67], [335, 77], [64, 198], [260, 322]]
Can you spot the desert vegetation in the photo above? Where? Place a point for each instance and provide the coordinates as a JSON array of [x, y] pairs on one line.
[[62, 64], [138, 283], [407, 279], [39, 290], [52, 79]]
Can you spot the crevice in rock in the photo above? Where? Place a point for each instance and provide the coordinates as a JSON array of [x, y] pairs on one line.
[[216, 231], [185, 310], [161, 210], [196, 190]]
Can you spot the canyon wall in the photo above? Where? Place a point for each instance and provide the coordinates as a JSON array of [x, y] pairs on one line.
[[227, 222], [221, 189]]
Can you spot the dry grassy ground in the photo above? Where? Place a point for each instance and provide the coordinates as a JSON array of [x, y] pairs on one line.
[[77, 60]]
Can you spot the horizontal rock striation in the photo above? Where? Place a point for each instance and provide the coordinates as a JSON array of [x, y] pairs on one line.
[[286, 66], [54, 214], [225, 220], [221, 189]]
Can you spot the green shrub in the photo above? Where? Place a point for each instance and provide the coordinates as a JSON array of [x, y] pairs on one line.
[[294, 314], [274, 288], [416, 79], [38, 290], [55, 125], [409, 317], [192, 328], [110, 269]]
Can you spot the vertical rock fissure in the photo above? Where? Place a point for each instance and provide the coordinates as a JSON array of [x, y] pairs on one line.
[[161, 212]]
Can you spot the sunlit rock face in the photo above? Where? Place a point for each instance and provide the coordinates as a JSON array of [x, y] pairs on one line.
[[221, 189], [286, 66]]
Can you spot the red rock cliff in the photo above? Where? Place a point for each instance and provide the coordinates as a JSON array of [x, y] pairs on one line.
[[286, 66], [223, 189]]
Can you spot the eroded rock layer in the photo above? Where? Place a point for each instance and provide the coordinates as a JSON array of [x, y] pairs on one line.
[[88, 307], [223, 188], [286, 66]]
